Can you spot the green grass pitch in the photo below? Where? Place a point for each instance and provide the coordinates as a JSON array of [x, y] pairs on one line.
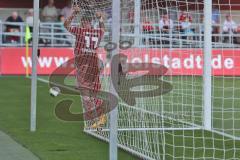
[[58, 140], [54, 139]]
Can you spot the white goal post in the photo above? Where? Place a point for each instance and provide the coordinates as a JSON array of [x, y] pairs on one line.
[[207, 75], [199, 117], [33, 113]]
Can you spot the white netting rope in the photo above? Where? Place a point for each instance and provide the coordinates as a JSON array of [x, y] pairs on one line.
[[171, 126]]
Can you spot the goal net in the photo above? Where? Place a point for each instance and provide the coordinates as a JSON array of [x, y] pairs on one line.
[[173, 124]]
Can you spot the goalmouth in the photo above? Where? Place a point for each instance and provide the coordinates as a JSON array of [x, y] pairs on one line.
[[197, 119], [200, 117]]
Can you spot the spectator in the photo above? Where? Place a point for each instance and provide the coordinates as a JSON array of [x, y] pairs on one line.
[[215, 22], [61, 19], [237, 40], [67, 10], [131, 16], [165, 27], [215, 15], [185, 20], [49, 12], [201, 29], [147, 28], [29, 19], [185, 16], [165, 24], [229, 27], [14, 18], [61, 29], [131, 19]]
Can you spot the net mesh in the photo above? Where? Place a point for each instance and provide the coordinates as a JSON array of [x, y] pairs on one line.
[[170, 33]]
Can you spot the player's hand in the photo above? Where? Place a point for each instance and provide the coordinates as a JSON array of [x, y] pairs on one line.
[[101, 20], [100, 16], [76, 10]]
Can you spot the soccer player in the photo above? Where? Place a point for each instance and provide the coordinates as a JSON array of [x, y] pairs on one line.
[[87, 62]]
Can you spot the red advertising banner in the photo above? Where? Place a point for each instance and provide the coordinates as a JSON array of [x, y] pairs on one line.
[[178, 61], [13, 61]]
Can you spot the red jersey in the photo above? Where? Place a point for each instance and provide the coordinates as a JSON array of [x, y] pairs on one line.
[[86, 59], [131, 16], [87, 40], [87, 64]]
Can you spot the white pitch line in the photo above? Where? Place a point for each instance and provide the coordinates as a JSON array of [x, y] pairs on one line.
[[195, 125]]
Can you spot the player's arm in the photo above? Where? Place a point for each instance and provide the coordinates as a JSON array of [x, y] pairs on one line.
[[101, 24], [101, 21], [68, 21]]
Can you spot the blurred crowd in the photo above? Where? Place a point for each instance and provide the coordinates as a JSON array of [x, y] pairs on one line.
[[49, 14], [183, 24]]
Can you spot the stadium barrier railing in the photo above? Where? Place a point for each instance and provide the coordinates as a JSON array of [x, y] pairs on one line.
[[54, 35]]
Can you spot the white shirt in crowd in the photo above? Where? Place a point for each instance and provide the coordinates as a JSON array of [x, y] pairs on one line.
[[168, 23], [66, 12], [29, 21], [50, 14], [229, 26], [185, 25]]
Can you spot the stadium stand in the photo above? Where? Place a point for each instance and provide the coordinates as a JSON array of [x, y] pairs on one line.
[[56, 38]]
